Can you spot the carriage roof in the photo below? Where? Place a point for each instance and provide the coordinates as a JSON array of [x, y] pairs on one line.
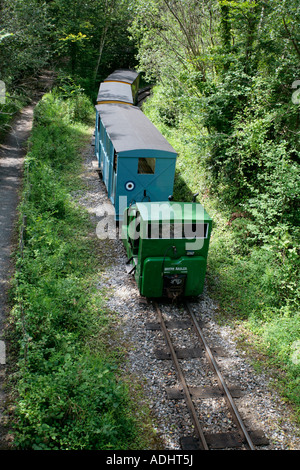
[[122, 75], [129, 129], [115, 91]]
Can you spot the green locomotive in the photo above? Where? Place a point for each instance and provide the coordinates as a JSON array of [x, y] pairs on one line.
[[167, 246]]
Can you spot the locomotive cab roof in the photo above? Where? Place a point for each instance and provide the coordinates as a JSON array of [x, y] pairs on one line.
[[164, 221], [171, 211]]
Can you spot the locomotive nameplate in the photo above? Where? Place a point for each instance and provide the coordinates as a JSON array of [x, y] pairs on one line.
[[175, 269]]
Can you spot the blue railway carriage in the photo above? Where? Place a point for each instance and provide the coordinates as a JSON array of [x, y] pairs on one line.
[[137, 163], [126, 76]]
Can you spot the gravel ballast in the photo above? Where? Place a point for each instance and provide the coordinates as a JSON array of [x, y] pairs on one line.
[[260, 406]]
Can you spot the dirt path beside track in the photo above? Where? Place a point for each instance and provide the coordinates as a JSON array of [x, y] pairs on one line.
[[12, 153]]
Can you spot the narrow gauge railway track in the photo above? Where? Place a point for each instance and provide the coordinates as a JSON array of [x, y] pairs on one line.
[[200, 439]]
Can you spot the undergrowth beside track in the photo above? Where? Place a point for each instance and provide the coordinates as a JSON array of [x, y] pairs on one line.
[[255, 285], [67, 392]]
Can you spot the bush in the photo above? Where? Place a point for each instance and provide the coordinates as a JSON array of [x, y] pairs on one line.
[[81, 407]]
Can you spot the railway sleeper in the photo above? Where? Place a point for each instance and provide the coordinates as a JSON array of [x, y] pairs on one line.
[[171, 325], [186, 353], [224, 440], [176, 393]]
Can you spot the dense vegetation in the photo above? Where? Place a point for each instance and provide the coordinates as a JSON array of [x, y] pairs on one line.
[[82, 38], [227, 74], [226, 82]]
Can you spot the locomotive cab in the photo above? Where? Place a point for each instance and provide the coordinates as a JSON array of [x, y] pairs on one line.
[[167, 246]]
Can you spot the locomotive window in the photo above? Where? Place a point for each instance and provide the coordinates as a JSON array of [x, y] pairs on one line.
[[177, 231], [146, 166], [195, 230]]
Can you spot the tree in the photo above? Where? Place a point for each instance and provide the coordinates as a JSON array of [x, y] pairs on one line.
[[114, 12], [89, 33], [173, 34], [79, 36], [28, 32]]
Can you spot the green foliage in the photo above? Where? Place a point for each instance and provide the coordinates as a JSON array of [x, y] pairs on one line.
[[236, 128], [69, 394], [26, 47], [67, 87], [81, 407], [85, 39]]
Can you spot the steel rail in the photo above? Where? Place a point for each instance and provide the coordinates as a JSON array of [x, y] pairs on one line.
[[221, 382], [182, 380]]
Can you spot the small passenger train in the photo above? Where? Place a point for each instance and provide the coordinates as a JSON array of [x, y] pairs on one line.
[[166, 241]]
